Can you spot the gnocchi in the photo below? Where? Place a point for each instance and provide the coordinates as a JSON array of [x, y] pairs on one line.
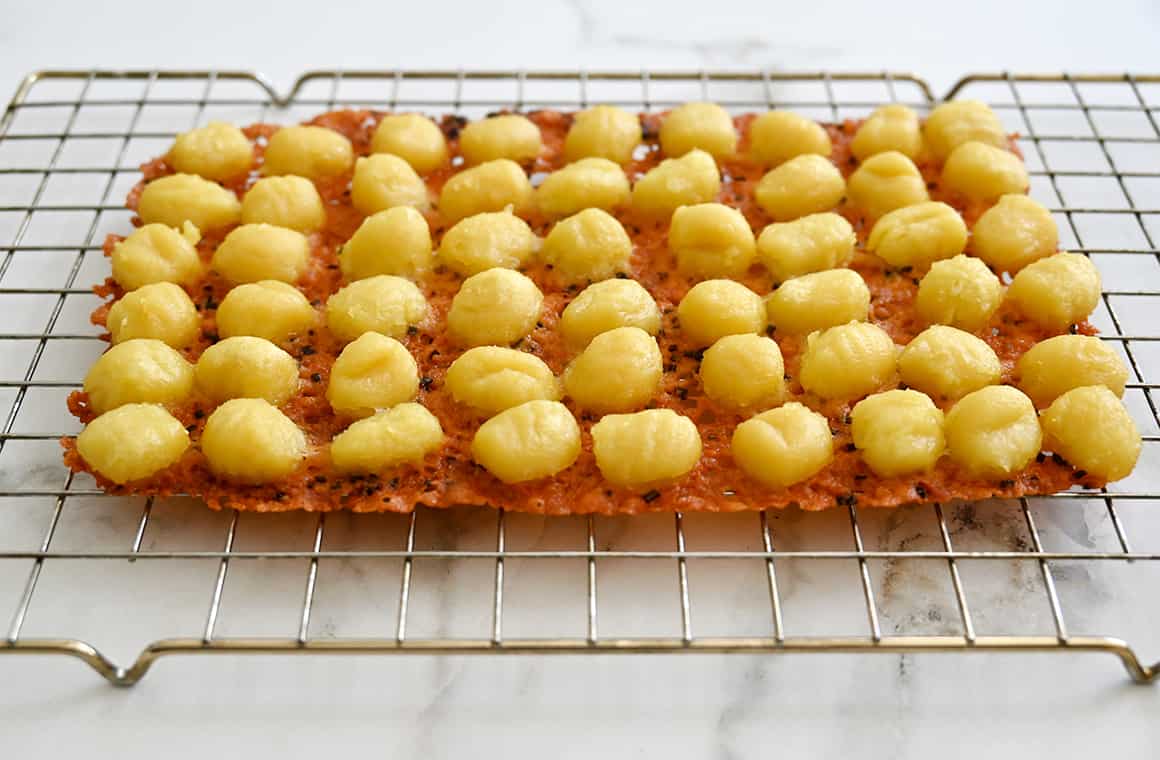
[[744, 372], [161, 310], [619, 370], [961, 292], [511, 136], [156, 253], [1055, 366], [675, 182], [138, 371], [960, 121], [898, 432], [265, 309], [1058, 291], [589, 246], [783, 446], [248, 440], [132, 442], [993, 432], [490, 379], [246, 367], [948, 363], [711, 240], [918, 235], [403, 434], [413, 138], [291, 202], [527, 442], [256, 252], [698, 126], [848, 361], [981, 172], [650, 448], [383, 181], [491, 186], [888, 128], [715, 308], [812, 243], [604, 306], [308, 151], [484, 241], [885, 182], [587, 183], [373, 372], [1013, 233], [497, 307], [1091, 429], [396, 241], [218, 151], [383, 304], [603, 132], [777, 136], [180, 198], [817, 301], [803, 185]]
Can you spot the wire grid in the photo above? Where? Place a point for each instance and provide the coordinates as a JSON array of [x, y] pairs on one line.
[[70, 144]]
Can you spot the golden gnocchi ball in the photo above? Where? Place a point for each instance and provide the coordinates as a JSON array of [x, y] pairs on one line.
[[138, 371], [587, 183], [1013, 233], [711, 240], [589, 246], [777, 136], [918, 235], [246, 367], [490, 379], [248, 440], [132, 442], [1091, 429], [960, 121], [534, 440], [981, 172], [948, 363], [744, 372], [373, 372], [511, 136], [1054, 366], [265, 309], [180, 198], [885, 182], [161, 310], [783, 446], [491, 186], [715, 308], [156, 253], [888, 128], [218, 151], [898, 432], [620, 370], [848, 361], [413, 138], [383, 304], [256, 252], [804, 185], [961, 292], [675, 182], [817, 301], [993, 432], [698, 126], [650, 448], [604, 306], [811, 244], [396, 241], [383, 181], [497, 307], [603, 132], [1058, 291], [291, 202], [311, 152], [403, 434], [484, 241]]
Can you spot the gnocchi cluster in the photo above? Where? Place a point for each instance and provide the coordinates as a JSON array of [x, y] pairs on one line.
[[801, 270]]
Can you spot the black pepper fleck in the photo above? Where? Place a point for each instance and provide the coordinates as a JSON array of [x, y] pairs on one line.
[[1058, 459], [1079, 474], [1005, 484], [846, 500], [308, 351], [426, 382], [920, 491], [850, 447], [198, 414], [412, 330], [316, 378], [1040, 457], [651, 496]]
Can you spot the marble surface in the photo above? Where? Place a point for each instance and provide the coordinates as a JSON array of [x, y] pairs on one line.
[[671, 706]]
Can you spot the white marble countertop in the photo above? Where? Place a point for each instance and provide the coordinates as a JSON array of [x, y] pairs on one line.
[[659, 706]]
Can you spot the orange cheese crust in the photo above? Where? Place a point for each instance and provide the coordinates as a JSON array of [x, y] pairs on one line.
[[450, 477]]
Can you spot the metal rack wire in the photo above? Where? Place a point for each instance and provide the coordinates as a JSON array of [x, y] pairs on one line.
[[70, 143]]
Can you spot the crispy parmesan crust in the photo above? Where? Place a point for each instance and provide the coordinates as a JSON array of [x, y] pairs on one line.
[[451, 478]]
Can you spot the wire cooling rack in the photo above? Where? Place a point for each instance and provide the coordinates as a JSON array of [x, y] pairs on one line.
[[99, 578]]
